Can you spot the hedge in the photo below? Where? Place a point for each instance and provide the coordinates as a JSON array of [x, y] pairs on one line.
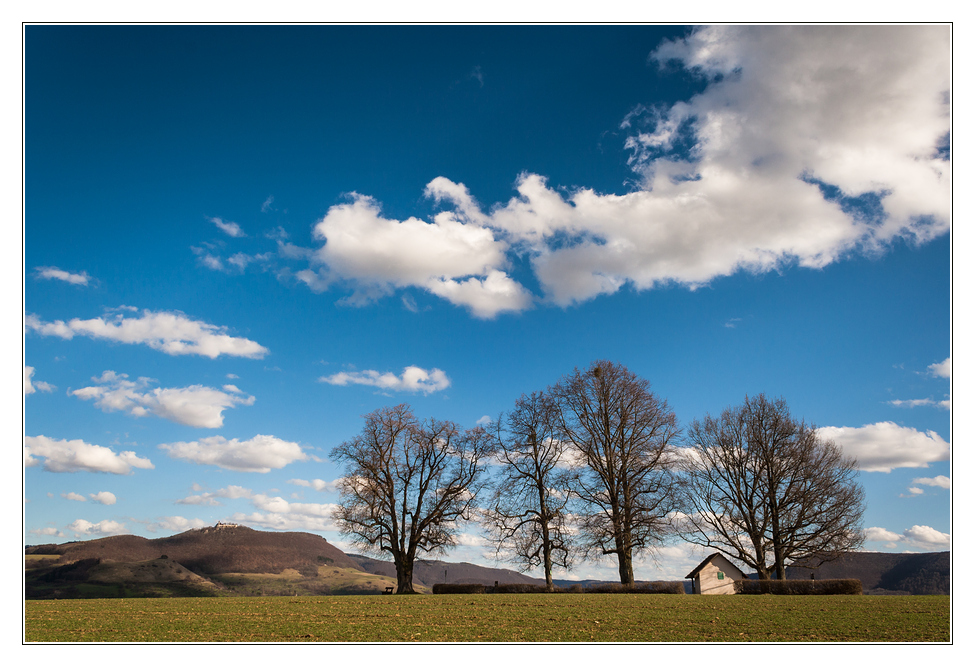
[[657, 587], [799, 587]]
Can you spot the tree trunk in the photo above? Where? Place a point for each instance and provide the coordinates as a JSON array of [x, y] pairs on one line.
[[404, 576], [625, 555]]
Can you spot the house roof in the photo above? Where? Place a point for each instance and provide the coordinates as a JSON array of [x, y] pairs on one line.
[[708, 560]]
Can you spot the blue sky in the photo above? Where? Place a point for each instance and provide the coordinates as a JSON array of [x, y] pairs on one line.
[[238, 240]]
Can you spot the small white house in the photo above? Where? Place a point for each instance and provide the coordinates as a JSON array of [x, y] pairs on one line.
[[716, 575]]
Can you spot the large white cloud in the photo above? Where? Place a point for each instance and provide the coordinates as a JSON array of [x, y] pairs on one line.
[[884, 446], [413, 379], [79, 456], [170, 332], [193, 406], [262, 453], [807, 143]]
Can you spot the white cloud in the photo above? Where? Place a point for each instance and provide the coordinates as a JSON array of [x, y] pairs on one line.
[[916, 537], [79, 456], [413, 379], [884, 446], [454, 257], [228, 228], [262, 453], [940, 481], [31, 385], [104, 497], [84, 527], [74, 496], [278, 514], [942, 370], [918, 402], [807, 144], [193, 406], [54, 273], [175, 524], [880, 535], [231, 492], [173, 333], [317, 484], [46, 532]]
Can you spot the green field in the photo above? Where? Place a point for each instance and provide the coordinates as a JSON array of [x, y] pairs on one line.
[[494, 618]]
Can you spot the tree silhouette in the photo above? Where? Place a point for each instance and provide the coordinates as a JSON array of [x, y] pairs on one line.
[[407, 484], [766, 489]]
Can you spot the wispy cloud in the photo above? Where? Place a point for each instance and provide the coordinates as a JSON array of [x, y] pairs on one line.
[[229, 228], [413, 379], [231, 492], [171, 332], [54, 273]]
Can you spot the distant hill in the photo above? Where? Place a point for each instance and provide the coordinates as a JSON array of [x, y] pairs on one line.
[[885, 573], [430, 572], [213, 550]]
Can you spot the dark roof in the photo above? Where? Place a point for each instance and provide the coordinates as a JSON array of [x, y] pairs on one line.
[[708, 560]]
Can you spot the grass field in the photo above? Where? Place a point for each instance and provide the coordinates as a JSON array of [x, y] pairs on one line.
[[494, 618]]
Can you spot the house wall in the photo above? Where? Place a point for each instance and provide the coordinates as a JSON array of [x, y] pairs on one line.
[[710, 584]]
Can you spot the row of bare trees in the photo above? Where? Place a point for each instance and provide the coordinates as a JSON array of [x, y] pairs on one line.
[[596, 466]]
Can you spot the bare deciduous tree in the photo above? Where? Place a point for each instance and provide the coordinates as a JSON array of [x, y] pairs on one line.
[[407, 484], [622, 434], [766, 489], [527, 512]]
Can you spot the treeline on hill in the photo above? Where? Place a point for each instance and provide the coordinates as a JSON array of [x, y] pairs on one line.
[[596, 465]]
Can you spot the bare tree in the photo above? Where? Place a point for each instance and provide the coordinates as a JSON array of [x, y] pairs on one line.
[[622, 434], [767, 490], [407, 484], [527, 512]]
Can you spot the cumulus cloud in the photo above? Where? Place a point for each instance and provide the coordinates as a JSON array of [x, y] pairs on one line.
[[942, 369], [231, 492], [806, 144], [74, 496], [79, 456], [54, 273], [262, 453], [192, 406], [884, 446], [31, 385], [46, 532], [228, 228], [413, 379], [915, 537], [84, 527], [941, 481], [103, 497], [170, 332], [277, 513], [455, 256], [317, 484]]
